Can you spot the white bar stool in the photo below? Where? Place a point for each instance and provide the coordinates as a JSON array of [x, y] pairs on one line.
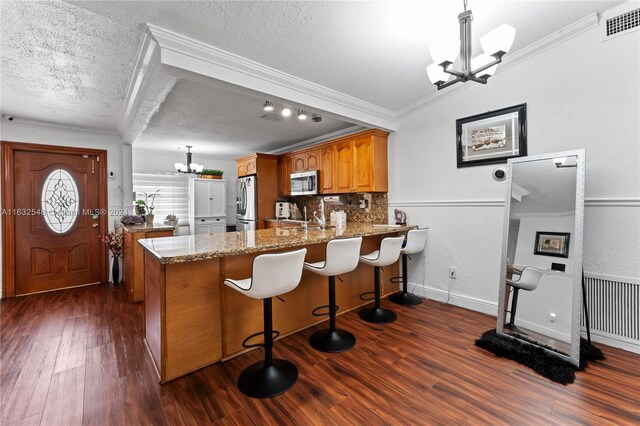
[[272, 275], [529, 279], [416, 242], [341, 257], [388, 254]]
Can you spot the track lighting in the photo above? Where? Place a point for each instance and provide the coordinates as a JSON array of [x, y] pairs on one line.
[[302, 115], [316, 118], [286, 111], [268, 106]]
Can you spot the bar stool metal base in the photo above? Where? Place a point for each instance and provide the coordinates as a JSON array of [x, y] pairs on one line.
[[259, 381], [377, 315], [405, 299], [332, 341]]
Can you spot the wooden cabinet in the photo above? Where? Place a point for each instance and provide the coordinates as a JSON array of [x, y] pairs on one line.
[[306, 160], [327, 185], [246, 166], [133, 262], [343, 169], [355, 163], [285, 167], [265, 167], [363, 162]]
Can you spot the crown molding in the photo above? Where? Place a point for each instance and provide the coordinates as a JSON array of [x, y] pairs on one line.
[[567, 33], [183, 52], [319, 139], [146, 65]]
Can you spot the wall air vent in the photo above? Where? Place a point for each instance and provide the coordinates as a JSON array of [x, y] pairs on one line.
[[620, 21], [271, 117], [623, 22]]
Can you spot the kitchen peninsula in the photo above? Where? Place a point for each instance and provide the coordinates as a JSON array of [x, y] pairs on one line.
[[192, 319]]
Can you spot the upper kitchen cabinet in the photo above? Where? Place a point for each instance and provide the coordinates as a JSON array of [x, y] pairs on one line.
[[327, 181], [343, 167], [285, 167], [209, 197], [246, 165], [306, 160], [354, 163], [360, 163]]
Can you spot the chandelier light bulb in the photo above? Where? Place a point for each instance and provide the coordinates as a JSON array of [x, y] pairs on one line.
[[446, 50], [286, 111], [302, 115], [436, 73], [498, 40], [482, 60], [268, 106]]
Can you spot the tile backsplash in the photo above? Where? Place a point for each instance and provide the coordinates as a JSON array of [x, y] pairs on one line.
[[378, 213]]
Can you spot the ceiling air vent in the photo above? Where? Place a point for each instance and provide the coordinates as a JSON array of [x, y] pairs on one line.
[[623, 22], [271, 117]]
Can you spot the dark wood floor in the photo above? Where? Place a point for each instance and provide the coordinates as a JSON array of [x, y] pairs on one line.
[[76, 357]]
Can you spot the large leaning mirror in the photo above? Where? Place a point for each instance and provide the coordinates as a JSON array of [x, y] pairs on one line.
[[541, 269]]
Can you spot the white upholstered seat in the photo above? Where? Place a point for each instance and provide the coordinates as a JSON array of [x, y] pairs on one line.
[[389, 252], [341, 257], [272, 275], [416, 241]]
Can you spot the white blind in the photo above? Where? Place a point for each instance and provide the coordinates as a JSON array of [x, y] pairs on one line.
[[173, 197]]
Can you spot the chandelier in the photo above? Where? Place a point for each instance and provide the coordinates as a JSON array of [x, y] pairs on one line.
[[189, 167], [495, 45]]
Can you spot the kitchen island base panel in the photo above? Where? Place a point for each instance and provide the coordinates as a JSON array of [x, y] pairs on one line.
[[192, 319], [182, 315]]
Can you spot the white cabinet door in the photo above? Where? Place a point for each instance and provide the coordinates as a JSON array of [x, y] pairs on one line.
[[218, 228], [203, 229], [202, 199], [218, 197]]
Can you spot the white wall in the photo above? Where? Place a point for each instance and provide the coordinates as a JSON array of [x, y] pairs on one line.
[[581, 93], [147, 161]]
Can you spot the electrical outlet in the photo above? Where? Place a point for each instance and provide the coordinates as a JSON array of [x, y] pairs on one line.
[[452, 273]]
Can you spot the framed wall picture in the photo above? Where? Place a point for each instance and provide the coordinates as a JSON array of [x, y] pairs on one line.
[[552, 244], [492, 137]]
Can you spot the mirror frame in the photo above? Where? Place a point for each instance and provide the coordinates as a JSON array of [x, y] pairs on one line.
[[577, 239]]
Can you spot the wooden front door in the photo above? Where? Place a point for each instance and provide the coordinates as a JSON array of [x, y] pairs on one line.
[[54, 206]]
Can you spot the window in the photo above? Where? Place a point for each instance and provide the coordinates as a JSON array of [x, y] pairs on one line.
[[173, 197], [60, 201]]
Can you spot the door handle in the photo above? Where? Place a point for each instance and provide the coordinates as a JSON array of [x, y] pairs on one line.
[[95, 225]]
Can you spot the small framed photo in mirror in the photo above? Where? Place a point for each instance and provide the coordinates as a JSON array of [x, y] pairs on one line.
[[492, 137], [552, 244]]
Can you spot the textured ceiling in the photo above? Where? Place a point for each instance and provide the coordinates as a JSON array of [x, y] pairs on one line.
[[70, 62], [375, 51], [218, 121], [63, 64]]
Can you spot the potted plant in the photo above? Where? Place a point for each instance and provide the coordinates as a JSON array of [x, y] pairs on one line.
[[141, 207], [113, 240], [171, 220], [211, 174]]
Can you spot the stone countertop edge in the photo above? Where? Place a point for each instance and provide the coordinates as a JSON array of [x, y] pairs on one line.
[[191, 248], [156, 227]]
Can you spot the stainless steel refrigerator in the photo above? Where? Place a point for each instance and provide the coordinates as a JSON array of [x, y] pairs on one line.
[[246, 203]]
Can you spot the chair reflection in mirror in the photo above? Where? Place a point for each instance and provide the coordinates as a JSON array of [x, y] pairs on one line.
[[526, 279]]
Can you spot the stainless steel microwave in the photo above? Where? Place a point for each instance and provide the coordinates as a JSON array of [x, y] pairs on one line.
[[305, 183]]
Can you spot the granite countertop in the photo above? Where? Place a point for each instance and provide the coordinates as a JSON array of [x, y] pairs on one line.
[[155, 227], [190, 248]]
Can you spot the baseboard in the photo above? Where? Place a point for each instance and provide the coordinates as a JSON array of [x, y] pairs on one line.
[[491, 308], [467, 302]]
